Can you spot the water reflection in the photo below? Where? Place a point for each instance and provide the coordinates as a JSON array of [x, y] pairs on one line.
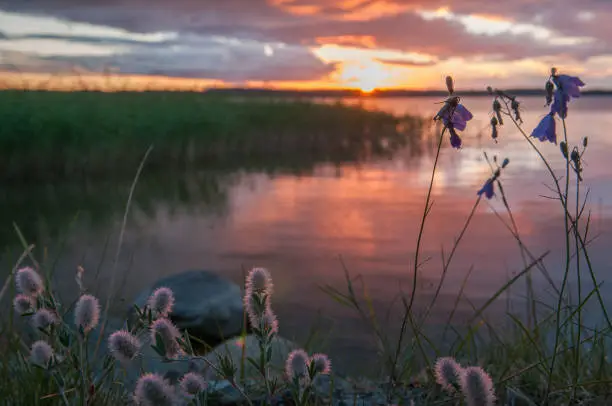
[[297, 223]]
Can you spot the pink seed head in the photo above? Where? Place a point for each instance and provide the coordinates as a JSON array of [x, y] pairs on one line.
[[269, 322], [161, 301], [168, 333], [322, 364], [87, 313], [259, 280], [23, 303], [447, 372], [41, 353], [192, 383], [477, 387], [152, 390], [43, 319], [29, 282], [124, 346], [297, 364]]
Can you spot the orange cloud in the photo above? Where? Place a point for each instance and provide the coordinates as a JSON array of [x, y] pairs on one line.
[[365, 41]]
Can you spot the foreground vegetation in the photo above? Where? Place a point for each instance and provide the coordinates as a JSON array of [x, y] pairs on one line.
[[548, 357], [69, 134]]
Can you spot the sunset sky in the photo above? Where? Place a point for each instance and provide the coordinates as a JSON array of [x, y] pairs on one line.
[[362, 44]]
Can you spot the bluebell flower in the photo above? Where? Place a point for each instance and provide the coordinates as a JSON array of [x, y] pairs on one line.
[[569, 84], [459, 118], [559, 105], [487, 189], [546, 129], [455, 140]]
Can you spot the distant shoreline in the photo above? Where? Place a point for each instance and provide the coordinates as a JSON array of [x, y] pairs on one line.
[[381, 93]]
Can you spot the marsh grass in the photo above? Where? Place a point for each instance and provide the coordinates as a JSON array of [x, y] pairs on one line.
[[74, 134]]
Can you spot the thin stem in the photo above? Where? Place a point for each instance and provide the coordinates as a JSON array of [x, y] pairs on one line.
[[119, 245], [579, 282], [416, 258], [564, 199]]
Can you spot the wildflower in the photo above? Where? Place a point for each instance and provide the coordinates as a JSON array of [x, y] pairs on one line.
[[41, 354], [455, 140], [449, 85], [297, 364], [455, 116], [168, 334], [87, 313], [192, 383], [494, 124], [43, 319], [321, 363], [269, 322], [161, 301], [152, 390], [487, 189], [515, 106], [255, 306], [570, 85], [23, 304], [497, 110], [447, 372], [546, 129], [550, 88], [29, 282], [477, 387], [124, 346], [259, 281], [559, 105]]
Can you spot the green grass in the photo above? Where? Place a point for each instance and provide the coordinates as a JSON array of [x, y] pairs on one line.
[[68, 134]]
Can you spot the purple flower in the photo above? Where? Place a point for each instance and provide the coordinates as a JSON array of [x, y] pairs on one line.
[[487, 189], [546, 129], [454, 138], [559, 105], [459, 117], [570, 85]]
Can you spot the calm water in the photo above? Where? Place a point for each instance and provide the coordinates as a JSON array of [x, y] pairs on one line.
[[298, 225]]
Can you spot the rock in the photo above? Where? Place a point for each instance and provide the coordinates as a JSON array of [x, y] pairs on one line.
[[233, 348], [207, 305]]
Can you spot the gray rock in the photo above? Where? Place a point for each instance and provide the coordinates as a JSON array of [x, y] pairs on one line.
[[207, 305]]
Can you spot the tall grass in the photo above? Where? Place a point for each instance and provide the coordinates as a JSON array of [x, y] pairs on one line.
[[72, 134], [546, 355]]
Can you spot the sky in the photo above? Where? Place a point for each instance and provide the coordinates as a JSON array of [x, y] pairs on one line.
[[302, 44]]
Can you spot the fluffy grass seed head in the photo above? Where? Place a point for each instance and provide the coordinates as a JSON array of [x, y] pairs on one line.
[[447, 372], [321, 363], [87, 313], [23, 303], [297, 364], [161, 301], [269, 322], [43, 319], [168, 333], [41, 354], [192, 383], [152, 390], [255, 305], [29, 282], [259, 280], [124, 346], [477, 387]]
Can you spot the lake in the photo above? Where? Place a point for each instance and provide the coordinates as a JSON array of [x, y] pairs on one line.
[[299, 223]]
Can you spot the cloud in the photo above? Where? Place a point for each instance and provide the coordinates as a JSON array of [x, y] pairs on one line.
[[227, 39]]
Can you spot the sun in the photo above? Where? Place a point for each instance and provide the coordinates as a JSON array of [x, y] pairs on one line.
[[366, 76]]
